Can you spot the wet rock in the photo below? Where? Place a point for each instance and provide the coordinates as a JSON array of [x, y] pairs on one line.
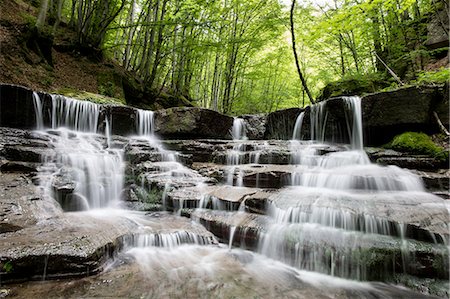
[[199, 150], [63, 187], [16, 107], [21, 203], [23, 167], [280, 124], [255, 125], [412, 162], [247, 226], [122, 120], [210, 170], [435, 181], [258, 202], [80, 244], [186, 123], [23, 153]]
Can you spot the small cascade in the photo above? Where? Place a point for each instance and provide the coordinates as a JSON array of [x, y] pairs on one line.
[[38, 111], [145, 122], [235, 156], [82, 172], [355, 129], [238, 129], [341, 204], [170, 170], [169, 240], [318, 119], [77, 115], [298, 126], [81, 165]]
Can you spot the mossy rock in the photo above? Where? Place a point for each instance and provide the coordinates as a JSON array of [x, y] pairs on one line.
[[417, 143], [89, 96], [352, 86]]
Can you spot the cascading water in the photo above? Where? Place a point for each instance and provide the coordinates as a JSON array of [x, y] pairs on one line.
[[338, 207], [234, 157], [298, 126], [340, 204], [82, 165]]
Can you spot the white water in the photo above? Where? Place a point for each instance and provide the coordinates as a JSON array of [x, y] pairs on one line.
[[296, 135], [38, 111], [341, 203], [334, 209], [80, 157], [74, 114], [238, 129], [355, 130]]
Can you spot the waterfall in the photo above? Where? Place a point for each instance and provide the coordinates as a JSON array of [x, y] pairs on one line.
[[296, 135], [77, 115], [38, 111], [318, 119], [353, 104], [91, 175], [340, 202], [238, 129], [145, 122]]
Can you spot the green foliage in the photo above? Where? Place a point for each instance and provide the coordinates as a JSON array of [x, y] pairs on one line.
[[153, 196], [8, 267], [417, 143], [107, 89], [440, 76]]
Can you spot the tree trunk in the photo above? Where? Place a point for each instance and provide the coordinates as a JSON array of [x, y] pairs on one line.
[[300, 74]]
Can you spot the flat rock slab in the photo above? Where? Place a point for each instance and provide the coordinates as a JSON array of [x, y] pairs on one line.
[[75, 244], [22, 204], [243, 228], [204, 272], [420, 215]]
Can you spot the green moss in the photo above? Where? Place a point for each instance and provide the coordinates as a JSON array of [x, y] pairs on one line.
[[88, 96], [417, 143]]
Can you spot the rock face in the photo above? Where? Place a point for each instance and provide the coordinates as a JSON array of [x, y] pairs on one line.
[[387, 114], [438, 27], [185, 123], [16, 107], [255, 126], [122, 120], [280, 123]]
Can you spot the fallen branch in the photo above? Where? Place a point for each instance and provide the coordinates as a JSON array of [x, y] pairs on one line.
[[441, 125], [389, 70]]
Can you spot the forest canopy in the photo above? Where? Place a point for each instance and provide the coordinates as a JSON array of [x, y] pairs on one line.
[[236, 56]]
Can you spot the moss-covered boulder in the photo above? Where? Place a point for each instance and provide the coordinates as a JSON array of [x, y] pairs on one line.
[[419, 144], [352, 86]]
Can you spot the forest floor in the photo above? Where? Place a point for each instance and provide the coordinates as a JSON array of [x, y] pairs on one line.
[[71, 72]]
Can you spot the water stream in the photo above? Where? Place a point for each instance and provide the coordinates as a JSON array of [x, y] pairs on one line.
[[338, 205]]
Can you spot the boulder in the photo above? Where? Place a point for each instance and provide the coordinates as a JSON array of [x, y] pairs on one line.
[[192, 122], [387, 114], [255, 125]]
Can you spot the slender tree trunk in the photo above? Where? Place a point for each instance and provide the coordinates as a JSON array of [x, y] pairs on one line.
[[300, 74], [40, 22]]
